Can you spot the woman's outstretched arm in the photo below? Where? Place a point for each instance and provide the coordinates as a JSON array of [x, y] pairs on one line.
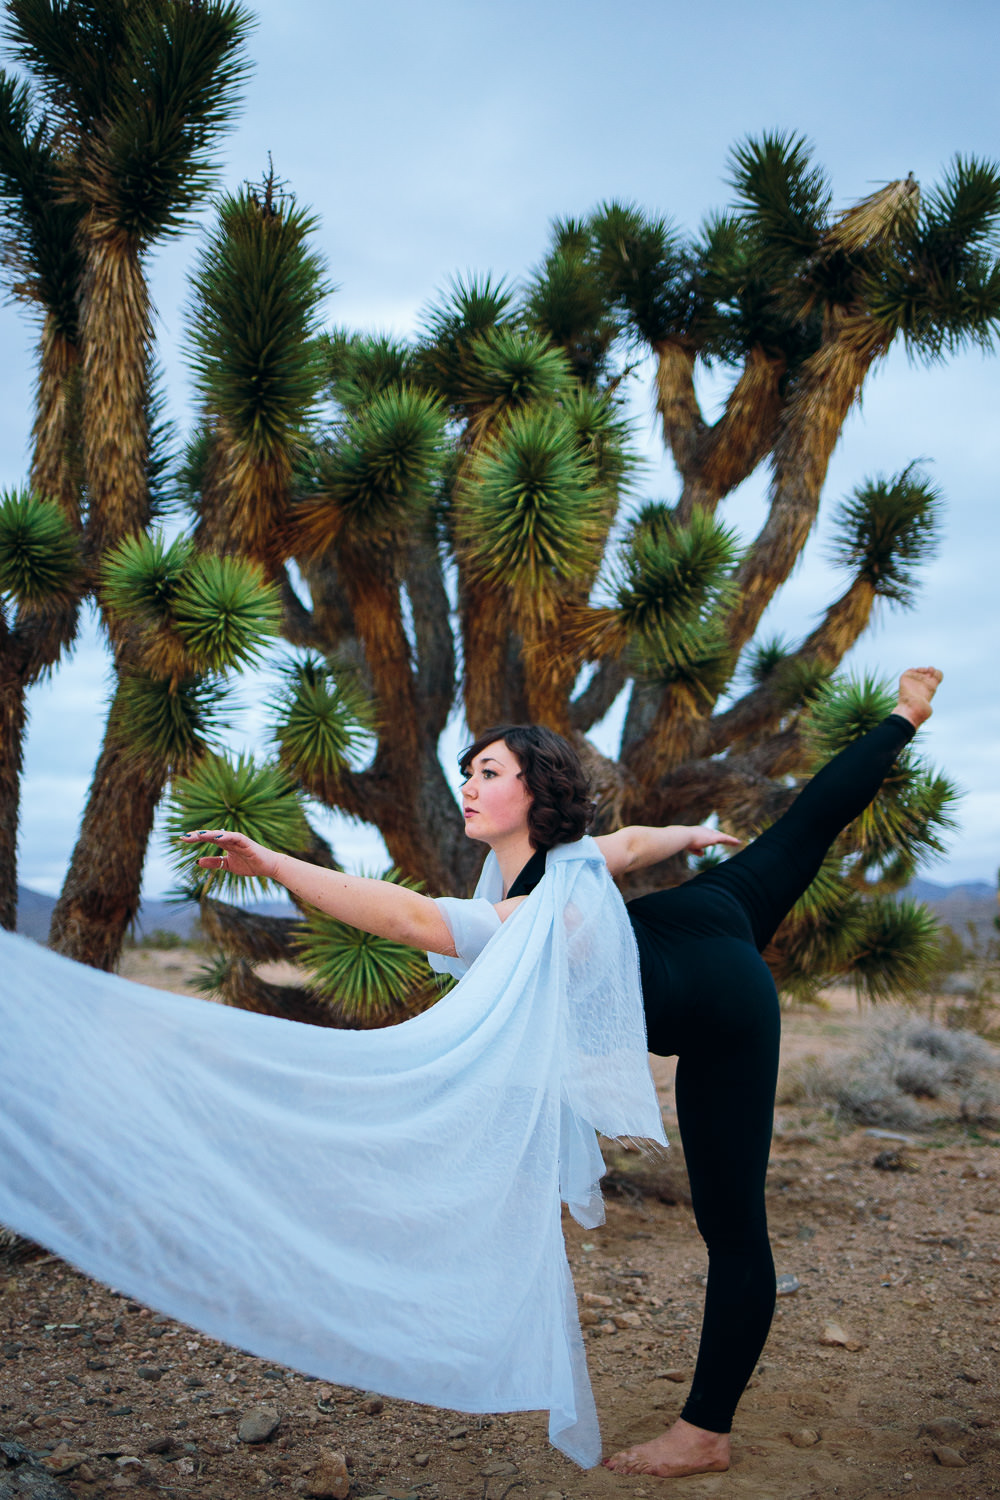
[[376, 906], [636, 847]]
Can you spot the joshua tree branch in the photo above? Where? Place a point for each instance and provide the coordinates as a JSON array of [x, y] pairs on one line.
[[610, 676]]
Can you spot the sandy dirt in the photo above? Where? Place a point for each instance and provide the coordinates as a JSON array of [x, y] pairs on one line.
[[906, 1263]]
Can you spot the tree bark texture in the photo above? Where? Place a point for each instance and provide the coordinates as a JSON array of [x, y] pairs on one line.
[[100, 896]]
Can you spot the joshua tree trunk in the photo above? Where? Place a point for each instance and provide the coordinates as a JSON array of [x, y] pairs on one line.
[[12, 720], [100, 896], [116, 338]]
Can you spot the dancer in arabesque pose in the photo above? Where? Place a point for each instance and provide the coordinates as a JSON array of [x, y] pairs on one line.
[[708, 996]]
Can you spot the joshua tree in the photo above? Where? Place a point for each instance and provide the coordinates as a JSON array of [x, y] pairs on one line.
[[480, 475], [41, 262], [134, 99]]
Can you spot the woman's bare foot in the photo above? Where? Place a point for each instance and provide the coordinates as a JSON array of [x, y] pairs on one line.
[[682, 1449], [916, 689]]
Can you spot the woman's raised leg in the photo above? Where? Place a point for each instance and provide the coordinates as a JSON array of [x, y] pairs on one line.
[[772, 872]]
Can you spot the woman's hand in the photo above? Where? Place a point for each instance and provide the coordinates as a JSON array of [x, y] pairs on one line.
[[241, 856], [378, 906], [636, 848], [704, 838]]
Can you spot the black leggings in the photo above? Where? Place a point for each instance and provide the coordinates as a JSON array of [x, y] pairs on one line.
[[710, 998]]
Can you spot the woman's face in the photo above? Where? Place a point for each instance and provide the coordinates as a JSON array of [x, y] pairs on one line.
[[495, 799]]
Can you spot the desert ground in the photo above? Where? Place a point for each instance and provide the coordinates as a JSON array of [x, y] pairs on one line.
[[879, 1378]]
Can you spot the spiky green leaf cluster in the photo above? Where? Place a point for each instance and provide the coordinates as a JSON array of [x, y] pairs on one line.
[[244, 795], [140, 95], [39, 555], [509, 367], [225, 612], [140, 578], [220, 610], [164, 723], [674, 582], [602, 434], [644, 266], [896, 949], [322, 725], [39, 245], [254, 336], [941, 291], [381, 469], [794, 679], [470, 309], [371, 978], [360, 367], [842, 713], [530, 518], [781, 193], [885, 530], [565, 301]]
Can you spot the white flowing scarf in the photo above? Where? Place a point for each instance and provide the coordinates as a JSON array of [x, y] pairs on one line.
[[376, 1208]]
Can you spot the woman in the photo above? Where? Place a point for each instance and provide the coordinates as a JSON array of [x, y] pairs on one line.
[[707, 994]]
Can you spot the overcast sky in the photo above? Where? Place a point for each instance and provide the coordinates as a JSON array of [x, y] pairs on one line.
[[443, 136]]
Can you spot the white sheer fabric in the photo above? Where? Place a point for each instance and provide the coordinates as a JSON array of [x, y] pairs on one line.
[[377, 1208]]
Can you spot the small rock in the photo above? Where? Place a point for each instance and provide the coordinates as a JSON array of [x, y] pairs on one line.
[[149, 1372], [949, 1458], [942, 1430], [627, 1320], [889, 1135], [677, 1376], [193, 1382], [890, 1161], [595, 1299], [458, 1445], [589, 1318], [329, 1479], [104, 1336], [372, 1404], [553, 1495], [128, 1461], [500, 1466], [457, 1432], [85, 1474], [62, 1460], [835, 1337], [97, 1364], [421, 1460], [607, 1327], [787, 1285], [120, 1411], [258, 1425], [161, 1444], [804, 1437], [185, 1466]]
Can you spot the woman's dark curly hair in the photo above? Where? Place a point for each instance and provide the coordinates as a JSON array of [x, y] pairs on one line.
[[561, 808]]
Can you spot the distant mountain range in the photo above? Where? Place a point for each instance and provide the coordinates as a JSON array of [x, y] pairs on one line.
[[34, 912], [972, 901]]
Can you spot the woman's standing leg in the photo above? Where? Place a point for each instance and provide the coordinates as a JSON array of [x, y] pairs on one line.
[[725, 1088]]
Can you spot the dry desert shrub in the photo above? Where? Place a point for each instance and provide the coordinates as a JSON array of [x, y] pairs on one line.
[[911, 1074]]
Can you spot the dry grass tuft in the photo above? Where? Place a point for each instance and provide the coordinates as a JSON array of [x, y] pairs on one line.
[[911, 1075]]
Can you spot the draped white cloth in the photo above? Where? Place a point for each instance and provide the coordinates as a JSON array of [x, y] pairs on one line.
[[377, 1208]]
